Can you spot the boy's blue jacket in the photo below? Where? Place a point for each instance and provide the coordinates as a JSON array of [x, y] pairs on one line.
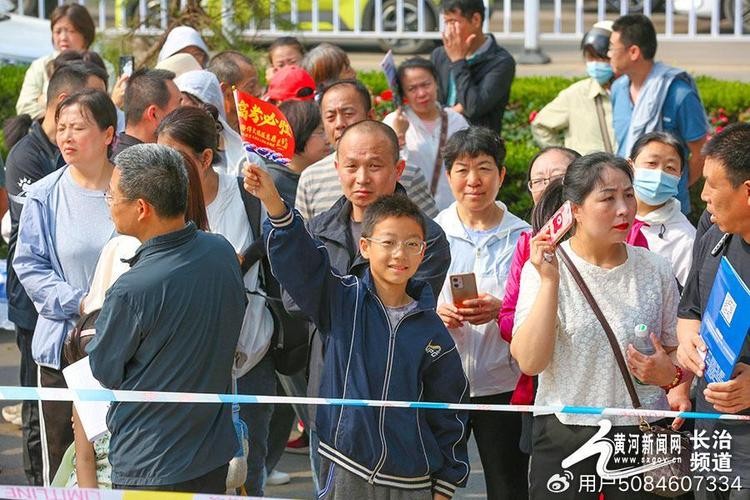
[[367, 358]]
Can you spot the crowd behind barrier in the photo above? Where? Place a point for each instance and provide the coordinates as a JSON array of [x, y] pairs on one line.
[[376, 274]]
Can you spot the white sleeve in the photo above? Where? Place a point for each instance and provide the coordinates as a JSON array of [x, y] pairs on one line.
[[671, 296]]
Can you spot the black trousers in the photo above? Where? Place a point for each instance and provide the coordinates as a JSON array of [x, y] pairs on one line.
[[214, 481], [32, 441], [55, 423], [553, 442], [496, 433]]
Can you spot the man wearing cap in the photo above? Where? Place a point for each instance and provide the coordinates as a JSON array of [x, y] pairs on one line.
[[151, 95], [652, 96], [290, 82], [344, 103], [580, 117], [185, 40]]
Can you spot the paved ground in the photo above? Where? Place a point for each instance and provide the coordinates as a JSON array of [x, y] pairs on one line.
[[11, 461]]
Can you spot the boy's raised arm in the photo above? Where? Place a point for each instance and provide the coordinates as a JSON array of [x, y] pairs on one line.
[[298, 262]]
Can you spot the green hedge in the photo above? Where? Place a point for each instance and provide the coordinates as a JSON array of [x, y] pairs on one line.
[[725, 102]]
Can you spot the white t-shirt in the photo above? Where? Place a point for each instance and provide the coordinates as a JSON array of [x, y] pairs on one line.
[[583, 370], [670, 234], [422, 141], [227, 217]]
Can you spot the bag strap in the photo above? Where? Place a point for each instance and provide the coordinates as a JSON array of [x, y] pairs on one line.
[[607, 329], [257, 250], [438, 170], [603, 123]]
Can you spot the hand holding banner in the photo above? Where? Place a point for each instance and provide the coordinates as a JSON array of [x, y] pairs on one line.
[[264, 129]]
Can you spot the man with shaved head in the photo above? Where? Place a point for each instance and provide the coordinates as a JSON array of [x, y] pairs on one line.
[[368, 166]]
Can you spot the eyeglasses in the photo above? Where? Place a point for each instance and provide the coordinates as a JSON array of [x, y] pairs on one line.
[[540, 183], [111, 200], [411, 247]]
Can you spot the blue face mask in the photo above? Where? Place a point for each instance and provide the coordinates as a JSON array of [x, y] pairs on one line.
[[653, 186], [600, 71]]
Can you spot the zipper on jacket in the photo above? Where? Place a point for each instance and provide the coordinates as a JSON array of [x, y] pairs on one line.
[[386, 383]]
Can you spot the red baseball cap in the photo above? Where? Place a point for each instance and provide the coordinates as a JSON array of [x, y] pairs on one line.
[[291, 83]]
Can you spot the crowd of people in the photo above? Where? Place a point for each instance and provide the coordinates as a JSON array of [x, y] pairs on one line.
[[144, 237]]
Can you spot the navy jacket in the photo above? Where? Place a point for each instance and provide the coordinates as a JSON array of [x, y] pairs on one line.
[[171, 323], [332, 229], [482, 83], [366, 357]]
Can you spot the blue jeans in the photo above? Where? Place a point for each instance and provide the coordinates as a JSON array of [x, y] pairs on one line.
[[260, 381]]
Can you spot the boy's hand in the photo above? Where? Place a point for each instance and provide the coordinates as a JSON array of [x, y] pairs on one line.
[[439, 496], [259, 184]]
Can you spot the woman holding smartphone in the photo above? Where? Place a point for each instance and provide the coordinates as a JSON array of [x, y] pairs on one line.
[[482, 234], [557, 337]]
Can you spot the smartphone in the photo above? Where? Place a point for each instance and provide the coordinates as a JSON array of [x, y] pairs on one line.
[[463, 287], [560, 223], [127, 64]]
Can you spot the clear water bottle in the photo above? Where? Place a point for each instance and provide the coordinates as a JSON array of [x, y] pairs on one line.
[[643, 343]]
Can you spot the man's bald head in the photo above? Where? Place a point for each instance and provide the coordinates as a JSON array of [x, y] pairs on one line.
[[374, 131]]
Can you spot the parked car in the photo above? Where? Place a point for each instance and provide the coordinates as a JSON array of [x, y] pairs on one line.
[[703, 9], [24, 38]]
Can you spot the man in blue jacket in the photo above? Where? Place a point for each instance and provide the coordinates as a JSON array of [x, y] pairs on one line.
[[171, 323], [384, 341], [474, 72]]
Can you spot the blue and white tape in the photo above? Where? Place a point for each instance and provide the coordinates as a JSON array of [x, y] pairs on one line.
[[48, 493], [51, 394]]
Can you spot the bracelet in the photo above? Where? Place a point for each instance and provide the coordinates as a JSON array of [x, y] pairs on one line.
[[675, 381]]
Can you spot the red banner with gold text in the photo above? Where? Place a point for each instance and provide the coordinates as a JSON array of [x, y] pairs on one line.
[[264, 129]]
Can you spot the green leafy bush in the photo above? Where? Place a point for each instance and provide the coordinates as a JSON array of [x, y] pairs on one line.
[[11, 78]]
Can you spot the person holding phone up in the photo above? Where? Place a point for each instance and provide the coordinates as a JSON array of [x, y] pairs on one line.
[[482, 234], [557, 336]]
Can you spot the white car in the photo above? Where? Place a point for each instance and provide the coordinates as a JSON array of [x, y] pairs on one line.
[[703, 9], [24, 38]]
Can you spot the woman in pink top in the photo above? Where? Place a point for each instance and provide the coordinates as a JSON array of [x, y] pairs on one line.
[[548, 164]]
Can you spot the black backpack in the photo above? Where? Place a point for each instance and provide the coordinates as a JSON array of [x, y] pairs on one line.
[[290, 341]]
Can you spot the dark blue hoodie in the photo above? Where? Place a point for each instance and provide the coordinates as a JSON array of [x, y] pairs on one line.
[[368, 358]]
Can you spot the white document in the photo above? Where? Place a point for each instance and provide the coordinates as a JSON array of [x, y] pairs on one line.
[[93, 414]]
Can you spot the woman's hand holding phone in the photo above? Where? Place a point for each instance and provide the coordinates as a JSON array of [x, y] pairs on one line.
[[481, 310], [543, 257]]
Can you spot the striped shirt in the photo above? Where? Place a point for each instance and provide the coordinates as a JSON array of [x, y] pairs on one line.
[[319, 188]]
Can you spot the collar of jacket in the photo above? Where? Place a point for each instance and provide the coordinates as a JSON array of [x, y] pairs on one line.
[[417, 289], [455, 228], [50, 150], [490, 53], [163, 242], [333, 224], [595, 89]]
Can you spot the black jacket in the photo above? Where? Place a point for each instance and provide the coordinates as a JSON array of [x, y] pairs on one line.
[[32, 158], [482, 83]]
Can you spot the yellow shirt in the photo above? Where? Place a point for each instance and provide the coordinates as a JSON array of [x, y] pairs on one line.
[[572, 117]]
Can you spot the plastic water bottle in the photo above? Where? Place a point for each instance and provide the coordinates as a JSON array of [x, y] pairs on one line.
[[643, 343]]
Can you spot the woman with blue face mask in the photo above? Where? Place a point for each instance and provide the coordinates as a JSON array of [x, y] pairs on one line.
[[580, 117], [657, 162]]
